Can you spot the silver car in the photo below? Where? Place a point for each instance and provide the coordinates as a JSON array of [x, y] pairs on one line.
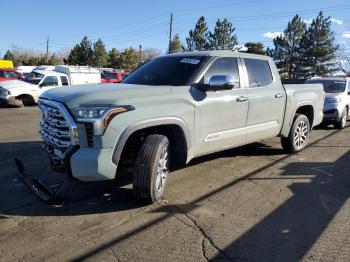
[[337, 101]]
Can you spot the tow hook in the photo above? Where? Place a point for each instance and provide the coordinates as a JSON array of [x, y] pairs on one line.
[[42, 190]]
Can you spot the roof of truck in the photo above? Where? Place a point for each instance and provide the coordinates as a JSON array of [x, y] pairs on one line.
[[49, 72], [338, 78], [220, 53]]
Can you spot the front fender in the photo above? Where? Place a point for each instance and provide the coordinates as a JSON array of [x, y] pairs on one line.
[[129, 130]]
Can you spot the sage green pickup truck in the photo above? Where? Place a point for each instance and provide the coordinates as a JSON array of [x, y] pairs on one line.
[[170, 110]]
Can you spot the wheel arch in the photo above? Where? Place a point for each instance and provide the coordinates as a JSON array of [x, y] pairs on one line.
[[306, 108], [308, 111], [174, 128], [26, 98]]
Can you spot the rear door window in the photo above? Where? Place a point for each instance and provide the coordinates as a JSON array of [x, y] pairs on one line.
[[259, 72], [64, 80]]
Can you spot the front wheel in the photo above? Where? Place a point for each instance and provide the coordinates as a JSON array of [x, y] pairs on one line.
[[298, 135], [342, 121], [151, 169]]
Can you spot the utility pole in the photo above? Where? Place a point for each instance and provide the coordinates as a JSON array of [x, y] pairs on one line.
[[170, 31], [47, 45], [140, 54]]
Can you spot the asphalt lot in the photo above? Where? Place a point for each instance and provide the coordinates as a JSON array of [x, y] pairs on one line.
[[252, 203]]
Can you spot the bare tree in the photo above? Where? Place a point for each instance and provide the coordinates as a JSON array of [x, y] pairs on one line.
[[343, 61]]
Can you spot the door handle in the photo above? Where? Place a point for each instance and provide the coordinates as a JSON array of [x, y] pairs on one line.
[[242, 99], [278, 95]]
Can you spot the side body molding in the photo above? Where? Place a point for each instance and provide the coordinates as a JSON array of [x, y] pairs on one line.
[[118, 148]]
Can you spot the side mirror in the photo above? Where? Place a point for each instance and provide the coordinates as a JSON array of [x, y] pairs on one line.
[[218, 83], [221, 82]]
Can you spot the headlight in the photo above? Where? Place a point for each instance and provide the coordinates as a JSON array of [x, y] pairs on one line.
[[334, 100], [100, 116]]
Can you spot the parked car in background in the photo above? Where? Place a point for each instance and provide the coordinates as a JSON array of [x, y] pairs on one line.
[[10, 74], [171, 110], [113, 77], [25, 70], [19, 93], [337, 101]]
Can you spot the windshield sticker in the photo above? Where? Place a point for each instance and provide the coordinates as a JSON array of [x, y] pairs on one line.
[[190, 61]]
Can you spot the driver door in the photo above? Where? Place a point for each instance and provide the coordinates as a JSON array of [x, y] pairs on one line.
[[220, 116]]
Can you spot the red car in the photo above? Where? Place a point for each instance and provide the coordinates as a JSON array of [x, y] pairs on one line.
[[10, 74], [113, 77]]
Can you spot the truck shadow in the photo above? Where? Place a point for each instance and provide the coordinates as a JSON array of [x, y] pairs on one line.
[[290, 231], [87, 198]]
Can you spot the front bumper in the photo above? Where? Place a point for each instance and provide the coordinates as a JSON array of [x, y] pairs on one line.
[[60, 134], [332, 113], [9, 101], [90, 164]]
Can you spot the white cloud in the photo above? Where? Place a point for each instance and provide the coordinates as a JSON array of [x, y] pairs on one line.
[[346, 34], [307, 21], [337, 21], [272, 34]]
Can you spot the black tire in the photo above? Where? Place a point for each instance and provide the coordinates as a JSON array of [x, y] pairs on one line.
[[296, 141], [342, 121], [148, 181]]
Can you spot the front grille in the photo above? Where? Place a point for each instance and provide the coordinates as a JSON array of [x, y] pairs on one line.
[[54, 128], [89, 134]]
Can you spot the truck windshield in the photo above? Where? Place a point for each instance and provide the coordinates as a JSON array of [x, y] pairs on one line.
[[329, 86], [34, 78], [168, 70]]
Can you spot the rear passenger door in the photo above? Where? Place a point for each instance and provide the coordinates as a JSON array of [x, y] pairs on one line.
[[266, 98]]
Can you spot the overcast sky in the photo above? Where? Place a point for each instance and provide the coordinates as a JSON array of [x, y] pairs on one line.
[[120, 24]]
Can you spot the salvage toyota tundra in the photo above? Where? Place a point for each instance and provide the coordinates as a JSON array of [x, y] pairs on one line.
[[171, 110]]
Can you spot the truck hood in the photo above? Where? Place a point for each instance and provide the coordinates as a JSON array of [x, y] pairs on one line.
[[13, 84], [104, 94]]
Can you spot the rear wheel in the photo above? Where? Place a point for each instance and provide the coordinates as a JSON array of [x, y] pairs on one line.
[[342, 121], [298, 135], [151, 169]]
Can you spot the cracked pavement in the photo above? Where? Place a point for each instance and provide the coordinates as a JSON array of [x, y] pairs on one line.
[[252, 203]]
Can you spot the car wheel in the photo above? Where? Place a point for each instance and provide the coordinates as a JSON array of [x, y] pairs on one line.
[[298, 136], [151, 169], [342, 121]]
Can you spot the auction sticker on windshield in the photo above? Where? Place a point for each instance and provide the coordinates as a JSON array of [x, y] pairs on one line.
[[190, 61]]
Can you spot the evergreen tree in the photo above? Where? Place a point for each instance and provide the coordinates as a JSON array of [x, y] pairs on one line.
[[255, 48], [81, 54], [223, 37], [287, 52], [100, 54], [198, 37], [9, 56], [318, 47], [129, 59], [175, 45], [114, 58]]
